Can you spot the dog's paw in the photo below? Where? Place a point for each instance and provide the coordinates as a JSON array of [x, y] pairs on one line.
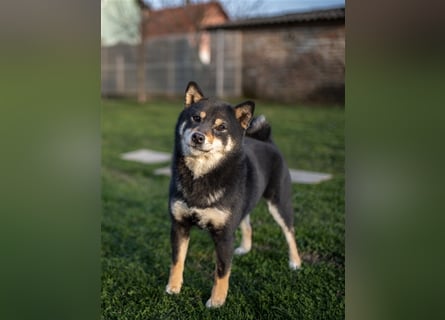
[[240, 251], [294, 265], [172, 290], [214, 304]]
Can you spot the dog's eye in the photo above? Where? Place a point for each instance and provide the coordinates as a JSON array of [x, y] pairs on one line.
[[196, 118], [221, 127]]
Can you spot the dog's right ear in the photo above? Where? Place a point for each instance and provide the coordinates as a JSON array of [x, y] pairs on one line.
[[193, 94], [244, 113]]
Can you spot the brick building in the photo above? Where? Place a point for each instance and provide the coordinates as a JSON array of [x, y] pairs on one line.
[[296, 57]]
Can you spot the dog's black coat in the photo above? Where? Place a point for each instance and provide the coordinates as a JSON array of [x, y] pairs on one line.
[[251, 169]]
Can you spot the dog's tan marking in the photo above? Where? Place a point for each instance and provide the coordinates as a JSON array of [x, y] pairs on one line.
[[218, 122], [209, 137], [229, 146], [219, 291], [202, 114], [246, 240], [294, 257], [215, 196], [177, 270], [192, 95], [179, 210], [213, 216], [208, 216], [204, 164], [244, 115]]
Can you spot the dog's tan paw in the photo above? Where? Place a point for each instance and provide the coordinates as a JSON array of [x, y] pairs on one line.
[[295, 265], [240, 251], [172, 289], [214, 303]]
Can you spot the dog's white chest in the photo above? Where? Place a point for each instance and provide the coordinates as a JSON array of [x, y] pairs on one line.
[[204, 217]]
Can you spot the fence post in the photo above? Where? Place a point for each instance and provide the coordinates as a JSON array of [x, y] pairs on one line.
[[220, 63], [120, 74], [238, 64]]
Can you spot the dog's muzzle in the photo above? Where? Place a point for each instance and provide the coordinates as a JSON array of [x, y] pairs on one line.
[[195, 143]]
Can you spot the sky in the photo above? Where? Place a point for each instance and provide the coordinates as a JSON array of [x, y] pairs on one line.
[[267, 7]]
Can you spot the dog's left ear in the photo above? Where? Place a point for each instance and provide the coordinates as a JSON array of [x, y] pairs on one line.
[[193, 94], [244, 113]]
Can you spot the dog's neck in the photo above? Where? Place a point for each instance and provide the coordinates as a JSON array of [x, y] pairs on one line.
[[202, 165], [207, 163]]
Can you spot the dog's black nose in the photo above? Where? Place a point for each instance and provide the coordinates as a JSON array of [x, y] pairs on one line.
[[198, 138]]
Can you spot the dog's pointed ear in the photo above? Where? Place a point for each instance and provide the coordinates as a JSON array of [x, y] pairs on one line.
[[193, 94], [244, 113]]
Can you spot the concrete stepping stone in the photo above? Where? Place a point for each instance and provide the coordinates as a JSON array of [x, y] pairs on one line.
[[146, 156], [308, 177]]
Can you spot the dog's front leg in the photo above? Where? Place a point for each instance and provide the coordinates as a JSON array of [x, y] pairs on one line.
[[224, 253], [180, 235]]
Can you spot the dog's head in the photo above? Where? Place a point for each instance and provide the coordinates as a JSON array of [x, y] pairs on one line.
[[209, 129]]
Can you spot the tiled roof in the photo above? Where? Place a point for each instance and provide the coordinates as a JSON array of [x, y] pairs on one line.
[[184, 19], [302, 17]]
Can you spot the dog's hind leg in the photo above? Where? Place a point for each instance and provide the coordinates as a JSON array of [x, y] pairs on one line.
[[246, 234], [284, 217]]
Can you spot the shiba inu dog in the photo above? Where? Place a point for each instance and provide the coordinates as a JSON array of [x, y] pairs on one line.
[[224, 161]]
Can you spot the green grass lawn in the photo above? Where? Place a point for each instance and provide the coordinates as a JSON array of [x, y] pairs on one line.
[[135, 225]]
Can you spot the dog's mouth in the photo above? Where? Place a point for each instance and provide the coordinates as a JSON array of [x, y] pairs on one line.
[[197, 147]]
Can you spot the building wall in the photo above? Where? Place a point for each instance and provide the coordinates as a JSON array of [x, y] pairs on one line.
[[296, 63]]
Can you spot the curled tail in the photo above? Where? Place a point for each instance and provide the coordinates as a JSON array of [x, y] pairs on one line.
[[259, 129]]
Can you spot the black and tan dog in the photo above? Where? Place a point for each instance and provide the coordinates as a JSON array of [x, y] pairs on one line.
[[224, 161]]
